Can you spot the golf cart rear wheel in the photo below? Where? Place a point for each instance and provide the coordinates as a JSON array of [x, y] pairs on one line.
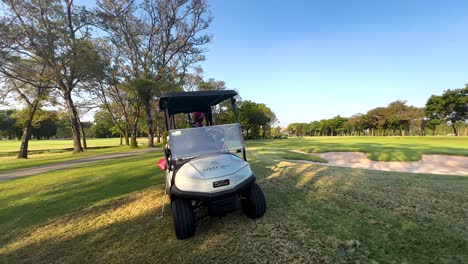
[[254, 204], [184, 219]]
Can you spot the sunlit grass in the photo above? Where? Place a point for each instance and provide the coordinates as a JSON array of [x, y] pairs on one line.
[[12, 163], [377, 148], [49, 151], [106, 213], [63, 191], [58, 144]]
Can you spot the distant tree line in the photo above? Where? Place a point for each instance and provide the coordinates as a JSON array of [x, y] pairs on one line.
[[443, 114], [46, 124], [256, 120]]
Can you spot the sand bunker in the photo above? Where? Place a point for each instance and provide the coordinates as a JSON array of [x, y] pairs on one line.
[[436, 164]]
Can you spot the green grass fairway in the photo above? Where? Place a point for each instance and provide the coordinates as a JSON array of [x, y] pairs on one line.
[[57, 145], [299, 156], [377, 148], [105, 213], [12, 163], [52, 151]]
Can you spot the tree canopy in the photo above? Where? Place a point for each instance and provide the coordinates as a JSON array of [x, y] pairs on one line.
[[451, 107]]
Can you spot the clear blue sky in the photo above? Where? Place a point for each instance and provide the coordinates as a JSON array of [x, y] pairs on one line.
[[310, 60]]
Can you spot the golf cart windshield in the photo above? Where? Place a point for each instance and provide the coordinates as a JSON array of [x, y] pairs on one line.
[[200, 141]]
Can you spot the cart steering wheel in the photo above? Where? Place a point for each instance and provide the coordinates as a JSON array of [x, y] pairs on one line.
[[217, 134]]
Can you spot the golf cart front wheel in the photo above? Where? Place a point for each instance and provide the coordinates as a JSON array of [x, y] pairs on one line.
[[254, 204], [184, 219]]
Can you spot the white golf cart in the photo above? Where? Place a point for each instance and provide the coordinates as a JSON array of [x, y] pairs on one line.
[[202, 163]]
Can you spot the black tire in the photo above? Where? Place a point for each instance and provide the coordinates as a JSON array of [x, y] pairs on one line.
[[254, 204], [184, 218]]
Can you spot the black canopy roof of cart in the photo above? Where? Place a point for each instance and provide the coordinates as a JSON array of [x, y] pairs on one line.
[[187, 102]]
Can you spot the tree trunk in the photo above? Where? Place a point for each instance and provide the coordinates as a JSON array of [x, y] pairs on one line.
[[23, 152], [455, 131], [127, 141], [85, 145], [74, 123], [134, 131], [158, 131], [158, 140], [149, 121], [122, 131], [423, 127], [134, 143]]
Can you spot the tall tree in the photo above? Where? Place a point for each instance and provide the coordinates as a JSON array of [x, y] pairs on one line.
[[103, 125], [157, 39], [451, 106], [355, 125], [255, 118], [54, 34], [31, 96], [110, 90]]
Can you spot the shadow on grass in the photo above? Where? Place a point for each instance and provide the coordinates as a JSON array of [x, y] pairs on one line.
[[66, 191], [380, 216], [315, 214], [64, 239], [130, 234]]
